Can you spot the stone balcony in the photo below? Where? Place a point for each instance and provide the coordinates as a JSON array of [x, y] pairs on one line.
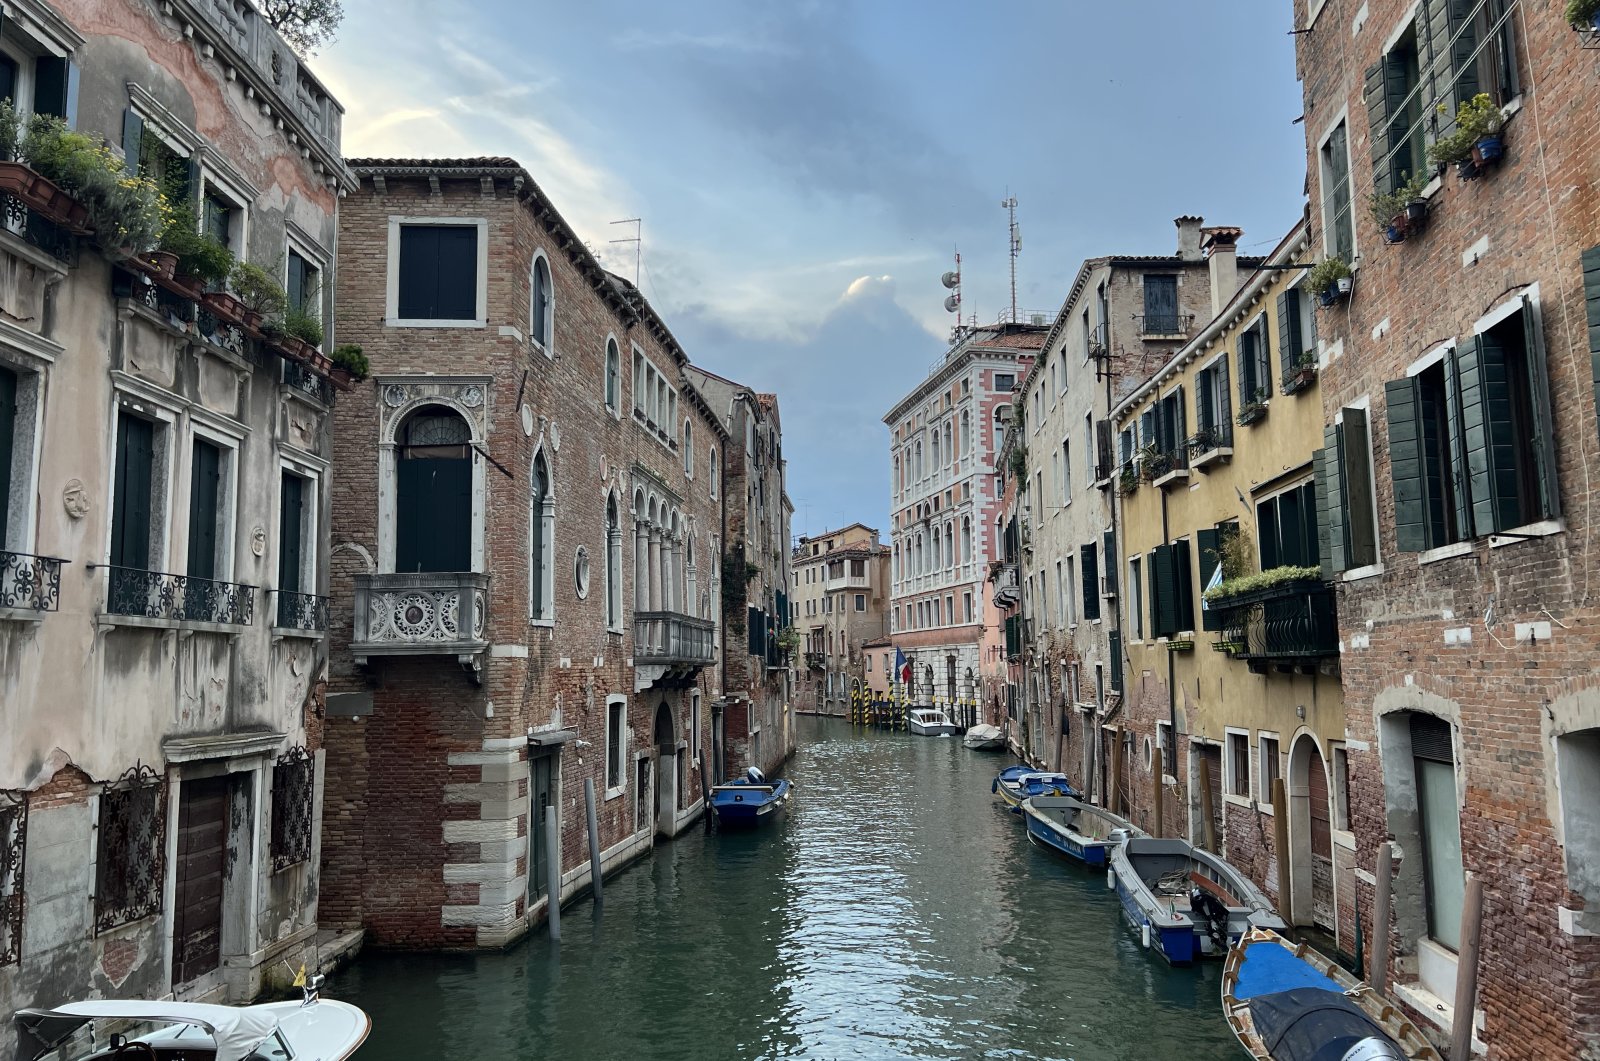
[[670, 648], [428, 613]]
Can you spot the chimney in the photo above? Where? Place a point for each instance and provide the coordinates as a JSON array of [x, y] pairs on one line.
[[1189, 237], [1221, 247]]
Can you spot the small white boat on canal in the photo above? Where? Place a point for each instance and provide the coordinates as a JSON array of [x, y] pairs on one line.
[[930, 722], [984, 738]]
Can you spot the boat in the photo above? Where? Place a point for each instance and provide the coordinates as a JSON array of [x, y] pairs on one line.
[[750, 800], [984, 737], [1074, 828], [315, 1028], [1286, 1002], [930, 722], [1017, 783], [1186, 902]]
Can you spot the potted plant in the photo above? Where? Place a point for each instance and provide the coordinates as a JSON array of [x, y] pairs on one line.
[[203, 262], [304, 334], [1254, 409], [261, 295], [1477, 141], [1129, 479], [347, 357], [78, 183], [1305, 373], [1330, 279], [1584, 15], [1154, 463], [1203, 440], [1402, 211]]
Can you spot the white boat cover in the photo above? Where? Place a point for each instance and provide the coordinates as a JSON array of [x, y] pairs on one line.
[[983, 733], [237, 1030]]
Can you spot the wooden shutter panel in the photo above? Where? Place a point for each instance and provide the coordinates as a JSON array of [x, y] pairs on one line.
[[1486, 434], [290, 515], [1333, 527], [1378, 127], [1288, 346], [1453, 444], [1405, 465], [417, 286], [1182, 586], [1108, 549], [1544, 425], [130, 517], [1224, 401], [55, 88], [205, 473], [1591, 298], [753, 633], [1209, 541], [1355, 462], [1089, 571], [1319, 475], [1147, 427], [1263, 356], [1114, 648], [1103, 447], [1463, 43], [1180, 416], [1247, 369], [1152, 567]]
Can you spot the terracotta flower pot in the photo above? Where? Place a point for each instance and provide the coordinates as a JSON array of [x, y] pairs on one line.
[[165, 263], [224, 306]]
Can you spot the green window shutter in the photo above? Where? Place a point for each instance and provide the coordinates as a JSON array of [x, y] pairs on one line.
[[1247, 369], [1180, 418], [1089, 571], [1264, 355], [1288, 337], [132, 132], [131, 500], [1405, 465], [1433, 33], [1454, 445], [1209, 541], [1155, 563], [1544, 425], [1108, 549], [1182, 586], [1224, 401], [1355, 460], [1333, 525], [1268, 536], [1378, 127], [1325, 532], [1463, 46], [1115, 649], [1591, 299], [55, 88], [1486, 434], [1147, 427]]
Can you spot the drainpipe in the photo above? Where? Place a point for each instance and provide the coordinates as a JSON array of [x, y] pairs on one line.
[[1172, 673]]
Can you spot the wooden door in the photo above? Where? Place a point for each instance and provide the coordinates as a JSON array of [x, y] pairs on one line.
[[1321, 843], [1212, 756], [201, 866]]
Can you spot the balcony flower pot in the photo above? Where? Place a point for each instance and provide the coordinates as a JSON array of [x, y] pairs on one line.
[[1251, 412], [1303, 377], [162, 263], [43, 196], [223, 306], [1487, 151], [1416, 213], [1395, 230]]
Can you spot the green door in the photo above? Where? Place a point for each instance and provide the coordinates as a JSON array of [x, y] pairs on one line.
[[292, 511], [8, 434], [130, 515], [434, 529]]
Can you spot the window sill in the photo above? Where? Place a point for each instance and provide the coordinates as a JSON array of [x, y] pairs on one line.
[[548, 624], [135, 622], [1444, 552], [613, 793], [21, 615], [1356, 574], [406, 322], [280, 633], [549, 355], [1514, 535], [1234, 800], [1264, 808]]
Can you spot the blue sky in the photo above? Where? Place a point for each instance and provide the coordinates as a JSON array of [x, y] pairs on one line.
[[806, 169]]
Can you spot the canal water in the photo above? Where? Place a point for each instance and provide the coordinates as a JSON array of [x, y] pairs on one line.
[[898, 912]]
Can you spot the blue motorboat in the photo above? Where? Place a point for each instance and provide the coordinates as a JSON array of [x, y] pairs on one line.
[[1074, 828], [1017, 783], [751, 800], [1186, 902]]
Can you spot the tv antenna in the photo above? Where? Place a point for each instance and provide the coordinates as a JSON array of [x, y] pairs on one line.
[[637, 239], [1009, 203], [952, 301]]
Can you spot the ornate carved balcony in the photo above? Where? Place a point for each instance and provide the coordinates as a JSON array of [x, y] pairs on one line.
[[1292, 625], [428, 613], [669, 647]]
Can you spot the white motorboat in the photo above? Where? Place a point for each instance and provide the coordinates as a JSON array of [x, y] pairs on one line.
[[315, 1029], [984, 738], [930, 722]]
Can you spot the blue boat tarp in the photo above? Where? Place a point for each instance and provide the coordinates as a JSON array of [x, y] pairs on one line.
[[1268, 968], [1312, 1024]]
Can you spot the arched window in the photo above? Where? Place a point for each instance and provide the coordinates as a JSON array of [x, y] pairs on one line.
[[691, 578], [613, 565], [949, 448], [688, 449], [541, 559], [966, 540], [936, 449], [433, 525], [541, 311], [715, 473], [613, 377], [966, 431]]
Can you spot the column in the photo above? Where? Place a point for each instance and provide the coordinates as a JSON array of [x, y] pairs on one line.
[[641, 567], [655, 569]]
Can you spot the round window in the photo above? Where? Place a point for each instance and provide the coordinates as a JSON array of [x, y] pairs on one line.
[[1149, 756], [580, 574]]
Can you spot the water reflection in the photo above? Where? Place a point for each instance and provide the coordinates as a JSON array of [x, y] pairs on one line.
[[899, 912]]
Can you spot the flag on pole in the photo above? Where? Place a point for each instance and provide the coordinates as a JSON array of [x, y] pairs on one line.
[[902, 667]]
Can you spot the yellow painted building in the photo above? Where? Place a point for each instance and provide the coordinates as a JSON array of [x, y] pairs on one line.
[[1219, 452]]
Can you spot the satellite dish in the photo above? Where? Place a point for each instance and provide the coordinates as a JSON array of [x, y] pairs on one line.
[[952, 303], [950, 279]]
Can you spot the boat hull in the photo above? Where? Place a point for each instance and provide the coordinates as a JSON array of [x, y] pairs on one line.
[[933, 729], [1092, 853], [736, 809], [1186, 936], [1054, 822]]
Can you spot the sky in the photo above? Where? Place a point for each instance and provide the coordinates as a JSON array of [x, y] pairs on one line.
[[805, 170]]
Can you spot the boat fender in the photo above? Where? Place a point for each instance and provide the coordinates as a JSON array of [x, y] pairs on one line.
[[1111, 879], [1372, 1048], [1144, 937]]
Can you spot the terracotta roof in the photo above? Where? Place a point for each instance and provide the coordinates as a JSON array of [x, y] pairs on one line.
[[1015, 341], [481, 162]]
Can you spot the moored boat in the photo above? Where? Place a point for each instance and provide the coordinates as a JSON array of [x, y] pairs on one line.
[[1074, 828], [750, 800], [1017, 783], [1286, 1002], [984, 737], [1186, 902], [929, 722]]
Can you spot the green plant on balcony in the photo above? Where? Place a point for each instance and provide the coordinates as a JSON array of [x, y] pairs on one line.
[[201, 256], [1017, 463], [257, 289], [1478, 121], [1583, 14], [298, 324], [1203, 440], [349, 357], [1236, 555], [1153, 463], [1129, 479], [1272, 577], [1254, 409], [1402, 211], [1329, 279], [788, 640], [127, 211]]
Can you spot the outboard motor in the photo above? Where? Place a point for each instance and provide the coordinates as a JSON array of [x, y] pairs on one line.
[[1209, 907], [755, 776], [1373, 1048]]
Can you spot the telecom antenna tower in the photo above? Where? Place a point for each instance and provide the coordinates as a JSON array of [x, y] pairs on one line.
[[1009, 203], [952, 302]]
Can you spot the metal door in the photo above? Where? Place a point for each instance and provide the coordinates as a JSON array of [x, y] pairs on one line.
[[541, 792], [201, 866]]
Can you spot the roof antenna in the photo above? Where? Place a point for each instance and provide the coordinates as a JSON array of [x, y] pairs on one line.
[[637, 239], [1009, 203], [952, 301]]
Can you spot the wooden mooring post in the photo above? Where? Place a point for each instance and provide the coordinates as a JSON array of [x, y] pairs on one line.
[[1280, 845], [1467, 970], [1378, 960], [1207, 809], [595, 883]]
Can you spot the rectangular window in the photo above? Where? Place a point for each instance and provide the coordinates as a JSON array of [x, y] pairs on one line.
[[1161, 305], [1089, 571], [1286, 527], [1433, 759], [1239, 764], [1269, 766], [130, 850], [1064, 596], [950, 609], [1005, 381], [1341, 789], [1213, 406], [1255, 365], [861, 602], [966, 606], [12, 446], [1136, 598], [206, 506], [133, 493], [293, 781], [303, 285], [1297, 336], [1394, 113], [1346, 521], [616, 744], [438, 273], [1066, 472], [221, 219], [1337, 221]]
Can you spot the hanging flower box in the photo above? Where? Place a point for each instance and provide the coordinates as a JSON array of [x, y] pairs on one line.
[[44, 197], [224, 306]]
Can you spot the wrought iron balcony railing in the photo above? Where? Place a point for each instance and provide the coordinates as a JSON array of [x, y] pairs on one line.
[[816, 661], [301, 611], [1164, 323], [1296, 622], [299, 378], [31, 583], [158, 595], [37, 229], [671, 637], [420, 614]]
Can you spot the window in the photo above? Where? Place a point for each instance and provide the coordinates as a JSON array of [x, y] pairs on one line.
[[1066, 472], [1578, 763], [1341, 788], [1344, 493], [613, 376], [659, 406], [1444, 883], [1269, 770], [1255, 366], [1061, 596], [1064, 604], [861, 602], [1161, 305], [1213, 405], [297, 564], [1171, 589], [1089, 571], [1136, 598], [210, 512], [135, 523], [613, 566], [433, 472], [1297, 335], [1394, 112], [1005, 381], [1238, 764], [714, 472], [616, 744], [541, 305], [694, 727], [1337, 222], [542, 525], [1164, 424], [437, 273], [1286, 528], [1125, 447], [39, 83], [966, 607], [130, 849], [293, 820], [303, 284]]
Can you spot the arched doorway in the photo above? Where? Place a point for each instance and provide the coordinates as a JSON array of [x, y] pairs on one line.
[[665, 797], [433, 487], [1310, 835]]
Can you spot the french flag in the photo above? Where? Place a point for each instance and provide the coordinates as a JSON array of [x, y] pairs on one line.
[[902, 667]]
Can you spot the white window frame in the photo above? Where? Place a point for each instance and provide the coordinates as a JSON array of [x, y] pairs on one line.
[[310, 517], [30, 357], [546, 348], [233, 188], [1264, 777], [614, 700], [211, 428], [612, 347], [154, 405], [548, 582], [392, 318], [313, 255], [1323, 204], [1230, 780], [388, 471], [715, 474]]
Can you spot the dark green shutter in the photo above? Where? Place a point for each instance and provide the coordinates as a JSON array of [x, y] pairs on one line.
[[1147, 427], [1333, 513], [291, 512], [1326, 521], [1103, 449], [1180, 416], [1454, 445], [132, 132], [55, 88], [1264, 355], [1268, 534], [1486, 435], [1591, 298], [1208, 540], [1089, 571], [433, 525], [1544, 425], [1108, 548], [1182, 586], [1406, 465], [130, 513], [1378, 127], [8, 433], [1247, 369], [1152, 571], [1463, 43], [1288, 340], [1433, 32], [1224, 402], [754, 636], [297, 283], [1115, 649], [1355, 456], [205, 496]]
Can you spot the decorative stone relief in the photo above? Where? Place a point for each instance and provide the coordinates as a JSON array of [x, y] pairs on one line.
[[555, 437], [527, 421], [258, 540], [471, 396], [75, 499], [465, 392]]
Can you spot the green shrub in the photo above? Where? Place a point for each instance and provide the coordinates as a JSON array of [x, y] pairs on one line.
[[200, 255], [303, 326], [1580, 13], [349, 357], [1276, 576], [1326, 273], [257, 289], [1476, 118], [126, 210]]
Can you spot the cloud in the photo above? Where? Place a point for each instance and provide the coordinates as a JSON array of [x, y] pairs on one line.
[[869, 286]]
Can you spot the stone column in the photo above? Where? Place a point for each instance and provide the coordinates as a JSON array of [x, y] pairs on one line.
[[641, 567], [655, 570]]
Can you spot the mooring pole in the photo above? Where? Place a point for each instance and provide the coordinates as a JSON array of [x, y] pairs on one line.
[[552, 846], [594, 838], [1160, 797], [1378, 961], [1280, 842], [1467, 970]]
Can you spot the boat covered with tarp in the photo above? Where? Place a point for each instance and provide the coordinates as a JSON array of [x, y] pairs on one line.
[[750, 800], [1017, 783]]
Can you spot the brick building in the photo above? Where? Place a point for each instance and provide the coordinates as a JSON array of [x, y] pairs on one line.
[[163, 487], [527, 577], [839, 601], [1459, 381]]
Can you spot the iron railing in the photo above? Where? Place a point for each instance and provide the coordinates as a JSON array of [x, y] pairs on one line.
[[130, 848], [299, 378], [1156, 465], [671, 637], [293, 780], [38, 230], [1209, 438], [1164, 323], [30, 582], [158, 595], [301, 611], [220, 333], [13, 845], [1293, 622]]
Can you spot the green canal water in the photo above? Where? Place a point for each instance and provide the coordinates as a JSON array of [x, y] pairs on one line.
[[898, 912]]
